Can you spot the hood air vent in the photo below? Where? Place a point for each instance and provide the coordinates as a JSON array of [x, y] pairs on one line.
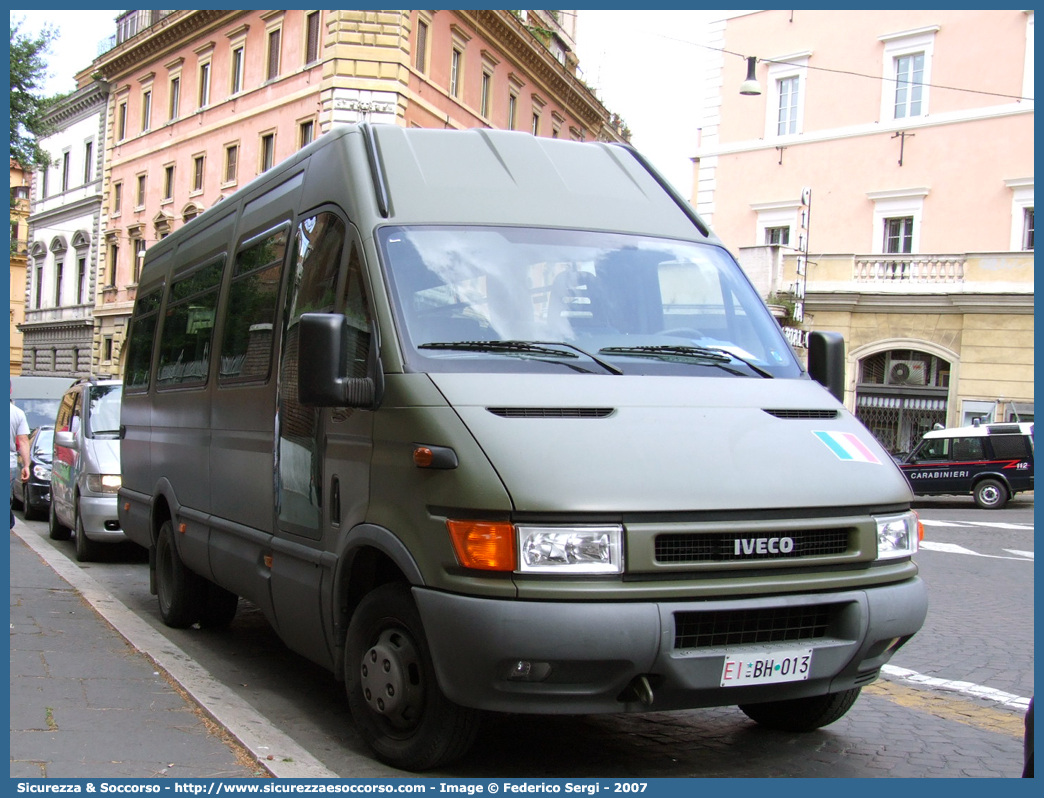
[[806, 414], [551, 412]]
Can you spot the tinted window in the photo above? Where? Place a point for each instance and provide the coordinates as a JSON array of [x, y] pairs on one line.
[[142, 335], [1010, 446], [188, 327], [246, 349]]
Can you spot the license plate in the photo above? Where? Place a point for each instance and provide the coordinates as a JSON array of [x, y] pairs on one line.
[[766, 667]]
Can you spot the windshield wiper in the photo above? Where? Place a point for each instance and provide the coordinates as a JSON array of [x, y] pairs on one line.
[[715, 356], [520, 347]]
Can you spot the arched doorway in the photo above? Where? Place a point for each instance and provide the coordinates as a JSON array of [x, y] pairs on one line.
[[902, 394]]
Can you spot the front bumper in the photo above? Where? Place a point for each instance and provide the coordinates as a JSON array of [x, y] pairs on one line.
[[585, 656], [100, 520]]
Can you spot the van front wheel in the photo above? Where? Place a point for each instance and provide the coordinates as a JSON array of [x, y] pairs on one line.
[[180, 591], [990, 494], [394, 696], [802, 714]]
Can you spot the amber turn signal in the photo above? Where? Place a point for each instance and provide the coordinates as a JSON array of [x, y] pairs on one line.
[[486, 545]]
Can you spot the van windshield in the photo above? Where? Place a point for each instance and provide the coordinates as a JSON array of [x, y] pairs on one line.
[[103, 417], [533, 299]]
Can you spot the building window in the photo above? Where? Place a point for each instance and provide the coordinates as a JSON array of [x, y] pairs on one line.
[[65, 171], [909, 79], [456, 67], [114, 259], [107, 349], [422, 46], [168, 182], [536, 125], [59, 274], [312, 37], [1027, 236], [487, 93], [197, 173], [175, 98], [907, 71], [139, 200], [121, 122], [512, 110], [204, 85], [117, 198], [274, 39], [146, 111], [788, 106], [231, 162], [267, 151], [38, 293], [81, 280], [898, 234], [88, 162], [777, 236], [306, 132], [237, 70], [139, 258]]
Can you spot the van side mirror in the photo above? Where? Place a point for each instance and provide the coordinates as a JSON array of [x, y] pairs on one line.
[[826, 361], [322, 377], [65, 439]]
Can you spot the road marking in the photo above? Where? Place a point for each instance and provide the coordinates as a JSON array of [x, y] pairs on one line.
[[1002, 525], [954, 685], [274, 750], [1020, 553], [953, 548], [933, 522], [949, 708]]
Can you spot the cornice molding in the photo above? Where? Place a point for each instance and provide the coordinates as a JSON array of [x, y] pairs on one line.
[[90, 98], [170, 32]]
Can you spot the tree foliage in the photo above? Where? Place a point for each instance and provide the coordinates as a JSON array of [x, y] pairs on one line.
[[28, 104]]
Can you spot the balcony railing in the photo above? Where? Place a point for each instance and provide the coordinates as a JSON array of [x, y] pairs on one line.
[[909, 268]]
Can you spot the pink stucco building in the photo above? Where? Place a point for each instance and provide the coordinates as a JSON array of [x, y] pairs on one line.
[[881, 185], [201, 102]]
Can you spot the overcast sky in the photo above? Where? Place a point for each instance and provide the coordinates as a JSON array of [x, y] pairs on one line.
[[644, 65]]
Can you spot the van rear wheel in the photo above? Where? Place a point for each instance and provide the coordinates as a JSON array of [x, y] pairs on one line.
[[802, 714], [394, 696], [990, 494], [180, 591]]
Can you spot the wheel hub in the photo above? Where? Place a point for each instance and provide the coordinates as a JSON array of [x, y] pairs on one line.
[[390, 679]]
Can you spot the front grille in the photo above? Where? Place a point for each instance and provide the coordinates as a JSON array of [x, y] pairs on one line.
[[551, 412], [722, 546], [744, 627]]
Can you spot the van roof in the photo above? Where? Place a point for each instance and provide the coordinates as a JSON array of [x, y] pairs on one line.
[[40, 387], [1012, 428]]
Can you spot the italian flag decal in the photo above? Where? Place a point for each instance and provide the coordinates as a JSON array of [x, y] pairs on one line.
[[847, 446]]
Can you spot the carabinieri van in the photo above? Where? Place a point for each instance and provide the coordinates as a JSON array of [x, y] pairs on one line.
[[485, 421]]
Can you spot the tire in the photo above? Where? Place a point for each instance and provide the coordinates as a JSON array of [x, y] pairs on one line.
[[86, 549], [219, 607], [180, 591], [991, 494], [802, 714], [393, 693], [31, 513], [56, 530]]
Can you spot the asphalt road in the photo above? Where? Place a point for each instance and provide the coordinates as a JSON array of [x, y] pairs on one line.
[[953, 716]]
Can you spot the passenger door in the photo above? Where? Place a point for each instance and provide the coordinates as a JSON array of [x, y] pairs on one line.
[[322, 456], [63, 467]]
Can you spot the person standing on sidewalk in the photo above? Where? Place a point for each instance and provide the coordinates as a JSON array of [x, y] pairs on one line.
[[19, 448]]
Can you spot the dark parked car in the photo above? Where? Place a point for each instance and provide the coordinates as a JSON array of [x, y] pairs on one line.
[[35, 495]]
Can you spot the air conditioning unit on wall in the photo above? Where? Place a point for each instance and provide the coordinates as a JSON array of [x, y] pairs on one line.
[[907, 372]]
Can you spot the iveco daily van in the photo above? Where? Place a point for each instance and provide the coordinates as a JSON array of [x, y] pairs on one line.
[[486, 421]]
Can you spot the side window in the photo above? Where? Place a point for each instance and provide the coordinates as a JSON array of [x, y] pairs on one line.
[[188, 327], [65, 411], [1010, 446], [935, 449], [357, 311], [246, 348], [142, 340], [968, 449]]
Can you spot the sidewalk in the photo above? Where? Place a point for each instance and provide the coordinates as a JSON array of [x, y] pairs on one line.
[[85, 704]]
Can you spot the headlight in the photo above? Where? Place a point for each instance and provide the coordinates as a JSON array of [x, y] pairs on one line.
[[897, 536], [579, 550], [103, 483], [42, 473]]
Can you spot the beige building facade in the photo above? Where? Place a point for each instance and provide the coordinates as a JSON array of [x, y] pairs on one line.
[[881, 185], [202, 102], [20, 179]]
